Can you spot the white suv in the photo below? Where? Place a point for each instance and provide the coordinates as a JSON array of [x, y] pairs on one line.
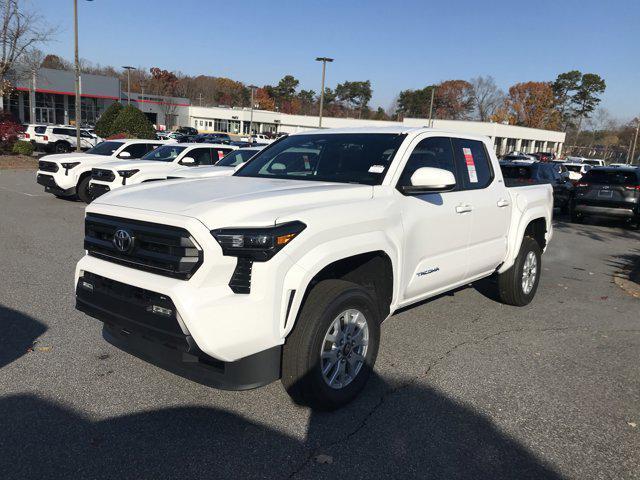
[[156, 165], [68, 174], [226, 166], [59, 138]]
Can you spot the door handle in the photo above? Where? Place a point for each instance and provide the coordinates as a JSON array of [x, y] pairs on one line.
[[503, 203], [463, 208]]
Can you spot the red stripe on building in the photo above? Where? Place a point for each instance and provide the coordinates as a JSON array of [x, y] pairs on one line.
[[40, 90]]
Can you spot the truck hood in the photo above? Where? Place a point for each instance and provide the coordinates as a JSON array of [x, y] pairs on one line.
[[233, 201], [72, 157], [145, 165], [205, 172]]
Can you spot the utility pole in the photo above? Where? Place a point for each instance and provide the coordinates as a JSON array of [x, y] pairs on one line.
[[128, 68], [635, 141], [433, 92], [324, 61], [77, 69], [200, 98], [253, 89]]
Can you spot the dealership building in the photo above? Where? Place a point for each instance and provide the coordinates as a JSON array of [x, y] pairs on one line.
[[48, 97]]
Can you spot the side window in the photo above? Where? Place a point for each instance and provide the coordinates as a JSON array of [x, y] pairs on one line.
[[473, 162], [432, 152], [202, 156], [152, 146], [136, 150]]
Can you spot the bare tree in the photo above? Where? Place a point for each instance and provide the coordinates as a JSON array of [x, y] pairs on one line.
[[487, 97], [20, 30]]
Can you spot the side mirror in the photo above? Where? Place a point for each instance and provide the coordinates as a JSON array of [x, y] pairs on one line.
[[188, 161], [430, 180], [124, 155]]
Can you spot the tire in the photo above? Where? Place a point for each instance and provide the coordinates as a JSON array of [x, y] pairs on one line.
[[83, 189], [511, 285], [323, 310], [576, 217], [61, 147]]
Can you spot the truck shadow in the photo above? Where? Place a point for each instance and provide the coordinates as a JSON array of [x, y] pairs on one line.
[[17, 334], [401, 432]]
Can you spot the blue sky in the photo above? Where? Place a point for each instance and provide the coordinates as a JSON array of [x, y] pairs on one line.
[[397, 45]]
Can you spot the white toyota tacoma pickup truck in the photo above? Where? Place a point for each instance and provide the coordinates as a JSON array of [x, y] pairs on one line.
[[69, 174], [287, 268], [155, 165]]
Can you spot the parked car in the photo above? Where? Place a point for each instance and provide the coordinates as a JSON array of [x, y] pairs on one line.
[[59, 138], [224, 167], [213, 138], [519, 157], [576, 170], [594, 162], [155, 165], [67, 175], [187, 131], [287, 268], [608, 192], [544, 156], [540, 172]]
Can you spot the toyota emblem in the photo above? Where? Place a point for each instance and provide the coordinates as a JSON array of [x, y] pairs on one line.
[[123, 240]]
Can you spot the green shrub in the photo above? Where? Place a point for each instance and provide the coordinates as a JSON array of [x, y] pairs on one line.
[[22, 148], [133, 123], [104, 125]]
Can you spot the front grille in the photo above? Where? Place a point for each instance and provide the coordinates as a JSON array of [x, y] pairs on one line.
[[162, 249], [103, 175], [47, 166]]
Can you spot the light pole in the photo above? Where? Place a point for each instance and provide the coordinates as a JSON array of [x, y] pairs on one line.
[[128, 69], [635, 141], [77, 72], [324, 61], [433, 91], [253, 89]]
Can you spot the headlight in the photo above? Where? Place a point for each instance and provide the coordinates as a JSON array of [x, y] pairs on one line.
[[70, 165], [258, 244], [127, 173]]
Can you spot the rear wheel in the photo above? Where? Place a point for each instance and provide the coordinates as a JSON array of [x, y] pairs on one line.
[[330, 354], [518, 285], [83, 189], [575, 216], [62, 147]]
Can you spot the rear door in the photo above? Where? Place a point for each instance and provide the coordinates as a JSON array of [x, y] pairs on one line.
[[490, 206]]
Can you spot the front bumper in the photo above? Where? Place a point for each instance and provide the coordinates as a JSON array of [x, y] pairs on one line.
[[616, 212], [131, 324], [51, 186]]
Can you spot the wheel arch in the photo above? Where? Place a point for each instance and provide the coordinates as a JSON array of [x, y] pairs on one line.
[[372, 269], [538, 226]]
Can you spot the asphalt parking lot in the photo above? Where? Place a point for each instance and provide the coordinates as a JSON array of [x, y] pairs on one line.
[[464, 387]]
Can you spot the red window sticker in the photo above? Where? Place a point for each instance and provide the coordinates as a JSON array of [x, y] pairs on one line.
[[220, 154], [471, 166]]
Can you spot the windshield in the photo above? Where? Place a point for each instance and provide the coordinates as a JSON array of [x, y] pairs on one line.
[[339, 157], [611, 178], [166, 153], [574, 168], [235, 158], [104, 148]]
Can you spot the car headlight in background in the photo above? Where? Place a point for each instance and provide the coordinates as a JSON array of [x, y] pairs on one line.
[[126, 174], [70, 165], [258, 244]]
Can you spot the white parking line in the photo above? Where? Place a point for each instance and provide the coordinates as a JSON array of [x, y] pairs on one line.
[[22, 193]]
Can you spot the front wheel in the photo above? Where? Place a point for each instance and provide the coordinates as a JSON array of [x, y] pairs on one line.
[[62, 147], [83, 189], [518, 285], [328, 357]]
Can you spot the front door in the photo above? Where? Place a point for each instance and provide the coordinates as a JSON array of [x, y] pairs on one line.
[[436, 225]]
